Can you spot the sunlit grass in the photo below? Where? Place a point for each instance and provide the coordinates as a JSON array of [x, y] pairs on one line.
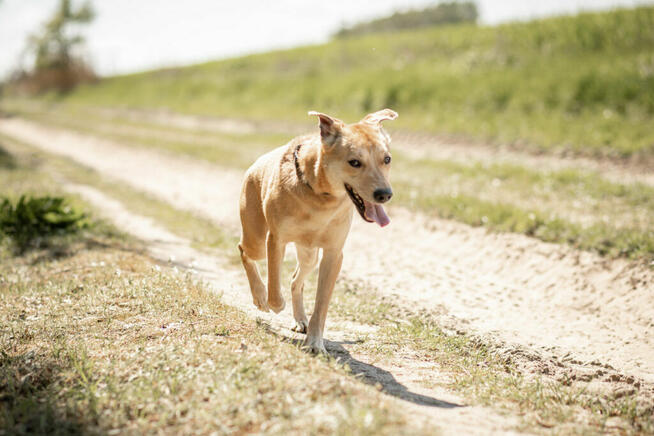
[[112, 343]]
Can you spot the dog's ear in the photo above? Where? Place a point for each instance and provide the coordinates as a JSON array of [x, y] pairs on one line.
[[330, 127], [376, 118]]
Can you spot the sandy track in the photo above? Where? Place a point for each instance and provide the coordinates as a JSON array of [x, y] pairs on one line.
[[564, 303]]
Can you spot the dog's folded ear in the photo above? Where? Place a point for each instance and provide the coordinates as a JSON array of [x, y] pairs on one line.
[[330, 127], [376, 118]]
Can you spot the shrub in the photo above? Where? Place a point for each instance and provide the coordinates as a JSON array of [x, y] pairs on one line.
[[438, 15], [31, 219], [56, 67]]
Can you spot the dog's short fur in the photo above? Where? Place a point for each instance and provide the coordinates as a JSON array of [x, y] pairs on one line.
[[303, 193]]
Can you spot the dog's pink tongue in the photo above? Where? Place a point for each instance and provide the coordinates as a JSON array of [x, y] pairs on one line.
[[382, 219], [376, 213]]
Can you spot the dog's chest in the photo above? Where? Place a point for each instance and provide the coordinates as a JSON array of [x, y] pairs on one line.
[[313, 228]]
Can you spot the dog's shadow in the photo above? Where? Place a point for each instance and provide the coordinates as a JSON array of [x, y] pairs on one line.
[[371, 374]]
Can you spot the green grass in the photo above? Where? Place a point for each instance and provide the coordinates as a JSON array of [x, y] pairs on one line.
[[582, 84], [33, 218], [604, 239], [48, 220]]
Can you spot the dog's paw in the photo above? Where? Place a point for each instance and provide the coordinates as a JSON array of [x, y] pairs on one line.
[[277, 306], [261, 304], [301, 326], [314, 345], [259, 298]]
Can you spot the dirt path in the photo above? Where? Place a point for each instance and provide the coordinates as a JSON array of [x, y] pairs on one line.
[[397, 376], [415, 144], [573, 306]]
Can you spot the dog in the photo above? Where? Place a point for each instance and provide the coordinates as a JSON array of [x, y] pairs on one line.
[[305, 192]]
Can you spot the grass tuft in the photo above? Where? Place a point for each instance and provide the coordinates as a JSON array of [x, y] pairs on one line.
[[32, 219], [604, 239]]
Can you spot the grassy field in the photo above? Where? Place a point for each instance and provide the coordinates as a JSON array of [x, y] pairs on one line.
[[571, 206], [582, 84]]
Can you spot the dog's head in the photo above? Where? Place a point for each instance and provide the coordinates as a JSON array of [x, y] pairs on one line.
[[356, 158]]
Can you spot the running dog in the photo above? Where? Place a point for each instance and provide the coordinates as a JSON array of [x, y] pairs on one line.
[[304, 192]]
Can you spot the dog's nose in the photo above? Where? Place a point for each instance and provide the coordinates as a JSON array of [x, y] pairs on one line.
[[382, 195]]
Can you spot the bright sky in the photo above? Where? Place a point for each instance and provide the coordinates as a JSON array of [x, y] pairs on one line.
[[133, 35]]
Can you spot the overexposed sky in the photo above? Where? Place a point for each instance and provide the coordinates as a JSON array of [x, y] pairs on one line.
[[133, 35]]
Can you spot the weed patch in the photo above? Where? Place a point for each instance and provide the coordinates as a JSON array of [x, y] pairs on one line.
[[32, 219]]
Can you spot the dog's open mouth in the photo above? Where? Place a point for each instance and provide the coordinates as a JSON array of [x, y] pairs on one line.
[[370, 212]]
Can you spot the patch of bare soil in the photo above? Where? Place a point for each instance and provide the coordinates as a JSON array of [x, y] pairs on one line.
[[550, 308]]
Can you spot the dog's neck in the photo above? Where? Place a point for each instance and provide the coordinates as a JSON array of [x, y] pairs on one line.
[[309, 170]]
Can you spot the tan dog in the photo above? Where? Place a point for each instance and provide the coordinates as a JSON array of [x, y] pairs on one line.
[[303, 192]]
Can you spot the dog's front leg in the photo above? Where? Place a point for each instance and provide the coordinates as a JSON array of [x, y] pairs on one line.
[[330, 266], [275, 254], [306, 261]]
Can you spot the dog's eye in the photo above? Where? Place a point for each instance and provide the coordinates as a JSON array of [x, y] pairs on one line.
[[387, 160], [355, 163]]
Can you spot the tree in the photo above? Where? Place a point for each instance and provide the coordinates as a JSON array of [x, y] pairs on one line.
[[56, 65], [53, 47], [436, 15]]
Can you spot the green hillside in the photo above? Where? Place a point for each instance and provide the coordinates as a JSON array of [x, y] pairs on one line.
[[583, 84]]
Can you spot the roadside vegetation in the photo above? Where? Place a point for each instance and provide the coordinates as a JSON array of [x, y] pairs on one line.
[[30, 219], [571, 206], [581, 85], [36, 215], [115, 344]]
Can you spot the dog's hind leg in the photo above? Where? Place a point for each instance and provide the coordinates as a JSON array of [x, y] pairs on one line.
[[257, 287], [306, 262], [253, 239], [275, 253]]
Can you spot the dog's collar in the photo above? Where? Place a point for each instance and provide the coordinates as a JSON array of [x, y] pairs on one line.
[[298, 170]]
